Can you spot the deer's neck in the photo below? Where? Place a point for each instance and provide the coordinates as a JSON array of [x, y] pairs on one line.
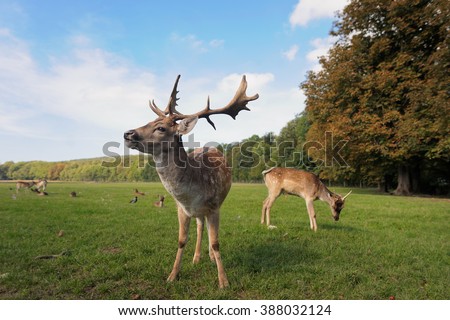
[[173, 168], [171, 157], [324, 194], [198, 184]]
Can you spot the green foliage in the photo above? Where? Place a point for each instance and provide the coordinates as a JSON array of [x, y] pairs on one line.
[[247, 159], [128, 168], [384, 88], [382, 246]]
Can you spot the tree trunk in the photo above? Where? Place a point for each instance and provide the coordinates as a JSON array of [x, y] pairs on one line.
[[387, 181], [415, 179], [404, 183]]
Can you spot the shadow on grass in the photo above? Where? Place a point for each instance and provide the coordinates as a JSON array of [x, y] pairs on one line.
[[273, 254], [337, 226]]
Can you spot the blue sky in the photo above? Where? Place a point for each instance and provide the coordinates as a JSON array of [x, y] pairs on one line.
[[74, 75]]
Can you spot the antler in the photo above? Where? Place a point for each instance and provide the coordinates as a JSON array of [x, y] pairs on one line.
[[236, 105], [170, 109], [343, 198]]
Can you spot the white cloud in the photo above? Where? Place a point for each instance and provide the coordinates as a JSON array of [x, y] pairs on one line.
[[307, 10], [320, 48], [216, 43], [291, 53], [194, 43], [258, 80], [88, 86], [269, 113], [91, 96], [80, 40]]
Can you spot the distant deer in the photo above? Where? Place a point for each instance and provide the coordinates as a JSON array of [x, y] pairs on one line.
[[199, 181], [138, 193], [303, 184], [160, 202], [24, 184], [41, 185]]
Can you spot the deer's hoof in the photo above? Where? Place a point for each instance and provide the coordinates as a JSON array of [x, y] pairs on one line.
[[196, 259], [172, 277], [223, 283]]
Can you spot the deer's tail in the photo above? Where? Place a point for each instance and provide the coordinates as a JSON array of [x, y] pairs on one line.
[[266, 172]]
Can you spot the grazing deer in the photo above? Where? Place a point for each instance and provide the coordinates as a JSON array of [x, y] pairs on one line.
[[24, 184], [41, 185], [303, 184], [160, 202], [138, 193], [199, 181]]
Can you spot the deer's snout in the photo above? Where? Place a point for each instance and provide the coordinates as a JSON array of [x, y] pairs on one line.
[[130, 135], [132, 139]]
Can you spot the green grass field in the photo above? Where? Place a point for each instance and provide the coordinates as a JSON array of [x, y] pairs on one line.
[[383, 246]]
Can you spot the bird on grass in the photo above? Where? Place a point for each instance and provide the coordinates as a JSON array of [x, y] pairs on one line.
[[134, 200], [159, 203]]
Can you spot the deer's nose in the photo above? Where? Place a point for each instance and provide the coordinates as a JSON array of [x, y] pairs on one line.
[[130, 135]]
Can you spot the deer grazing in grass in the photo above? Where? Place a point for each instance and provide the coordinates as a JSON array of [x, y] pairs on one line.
[[198, 181], [41, 185], [303, 184], [24, 184]]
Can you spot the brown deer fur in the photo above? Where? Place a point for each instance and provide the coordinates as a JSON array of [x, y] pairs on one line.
[[303, 184], [198, 181]]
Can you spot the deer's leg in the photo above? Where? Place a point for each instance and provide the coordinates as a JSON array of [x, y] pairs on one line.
[[198, 244], [267, 205], [264, 209], [184, 222], [210, 250], [213, 234], [312, 214]]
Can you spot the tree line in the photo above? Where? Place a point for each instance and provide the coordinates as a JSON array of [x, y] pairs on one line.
[[246, 159], [377, 112], [384, 87]]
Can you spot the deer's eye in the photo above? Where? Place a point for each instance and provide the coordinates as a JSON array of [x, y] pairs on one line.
[[161, 129]]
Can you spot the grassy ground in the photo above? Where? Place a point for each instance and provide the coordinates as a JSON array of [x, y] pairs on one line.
[[383, 246]]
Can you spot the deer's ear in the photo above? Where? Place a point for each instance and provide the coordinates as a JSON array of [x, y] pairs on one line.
[[186, 125]]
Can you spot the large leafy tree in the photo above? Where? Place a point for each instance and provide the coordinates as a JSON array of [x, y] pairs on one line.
[[385, 87]]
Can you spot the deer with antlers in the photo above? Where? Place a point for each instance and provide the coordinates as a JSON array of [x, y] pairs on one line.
[[303, 184], [198, 181]]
